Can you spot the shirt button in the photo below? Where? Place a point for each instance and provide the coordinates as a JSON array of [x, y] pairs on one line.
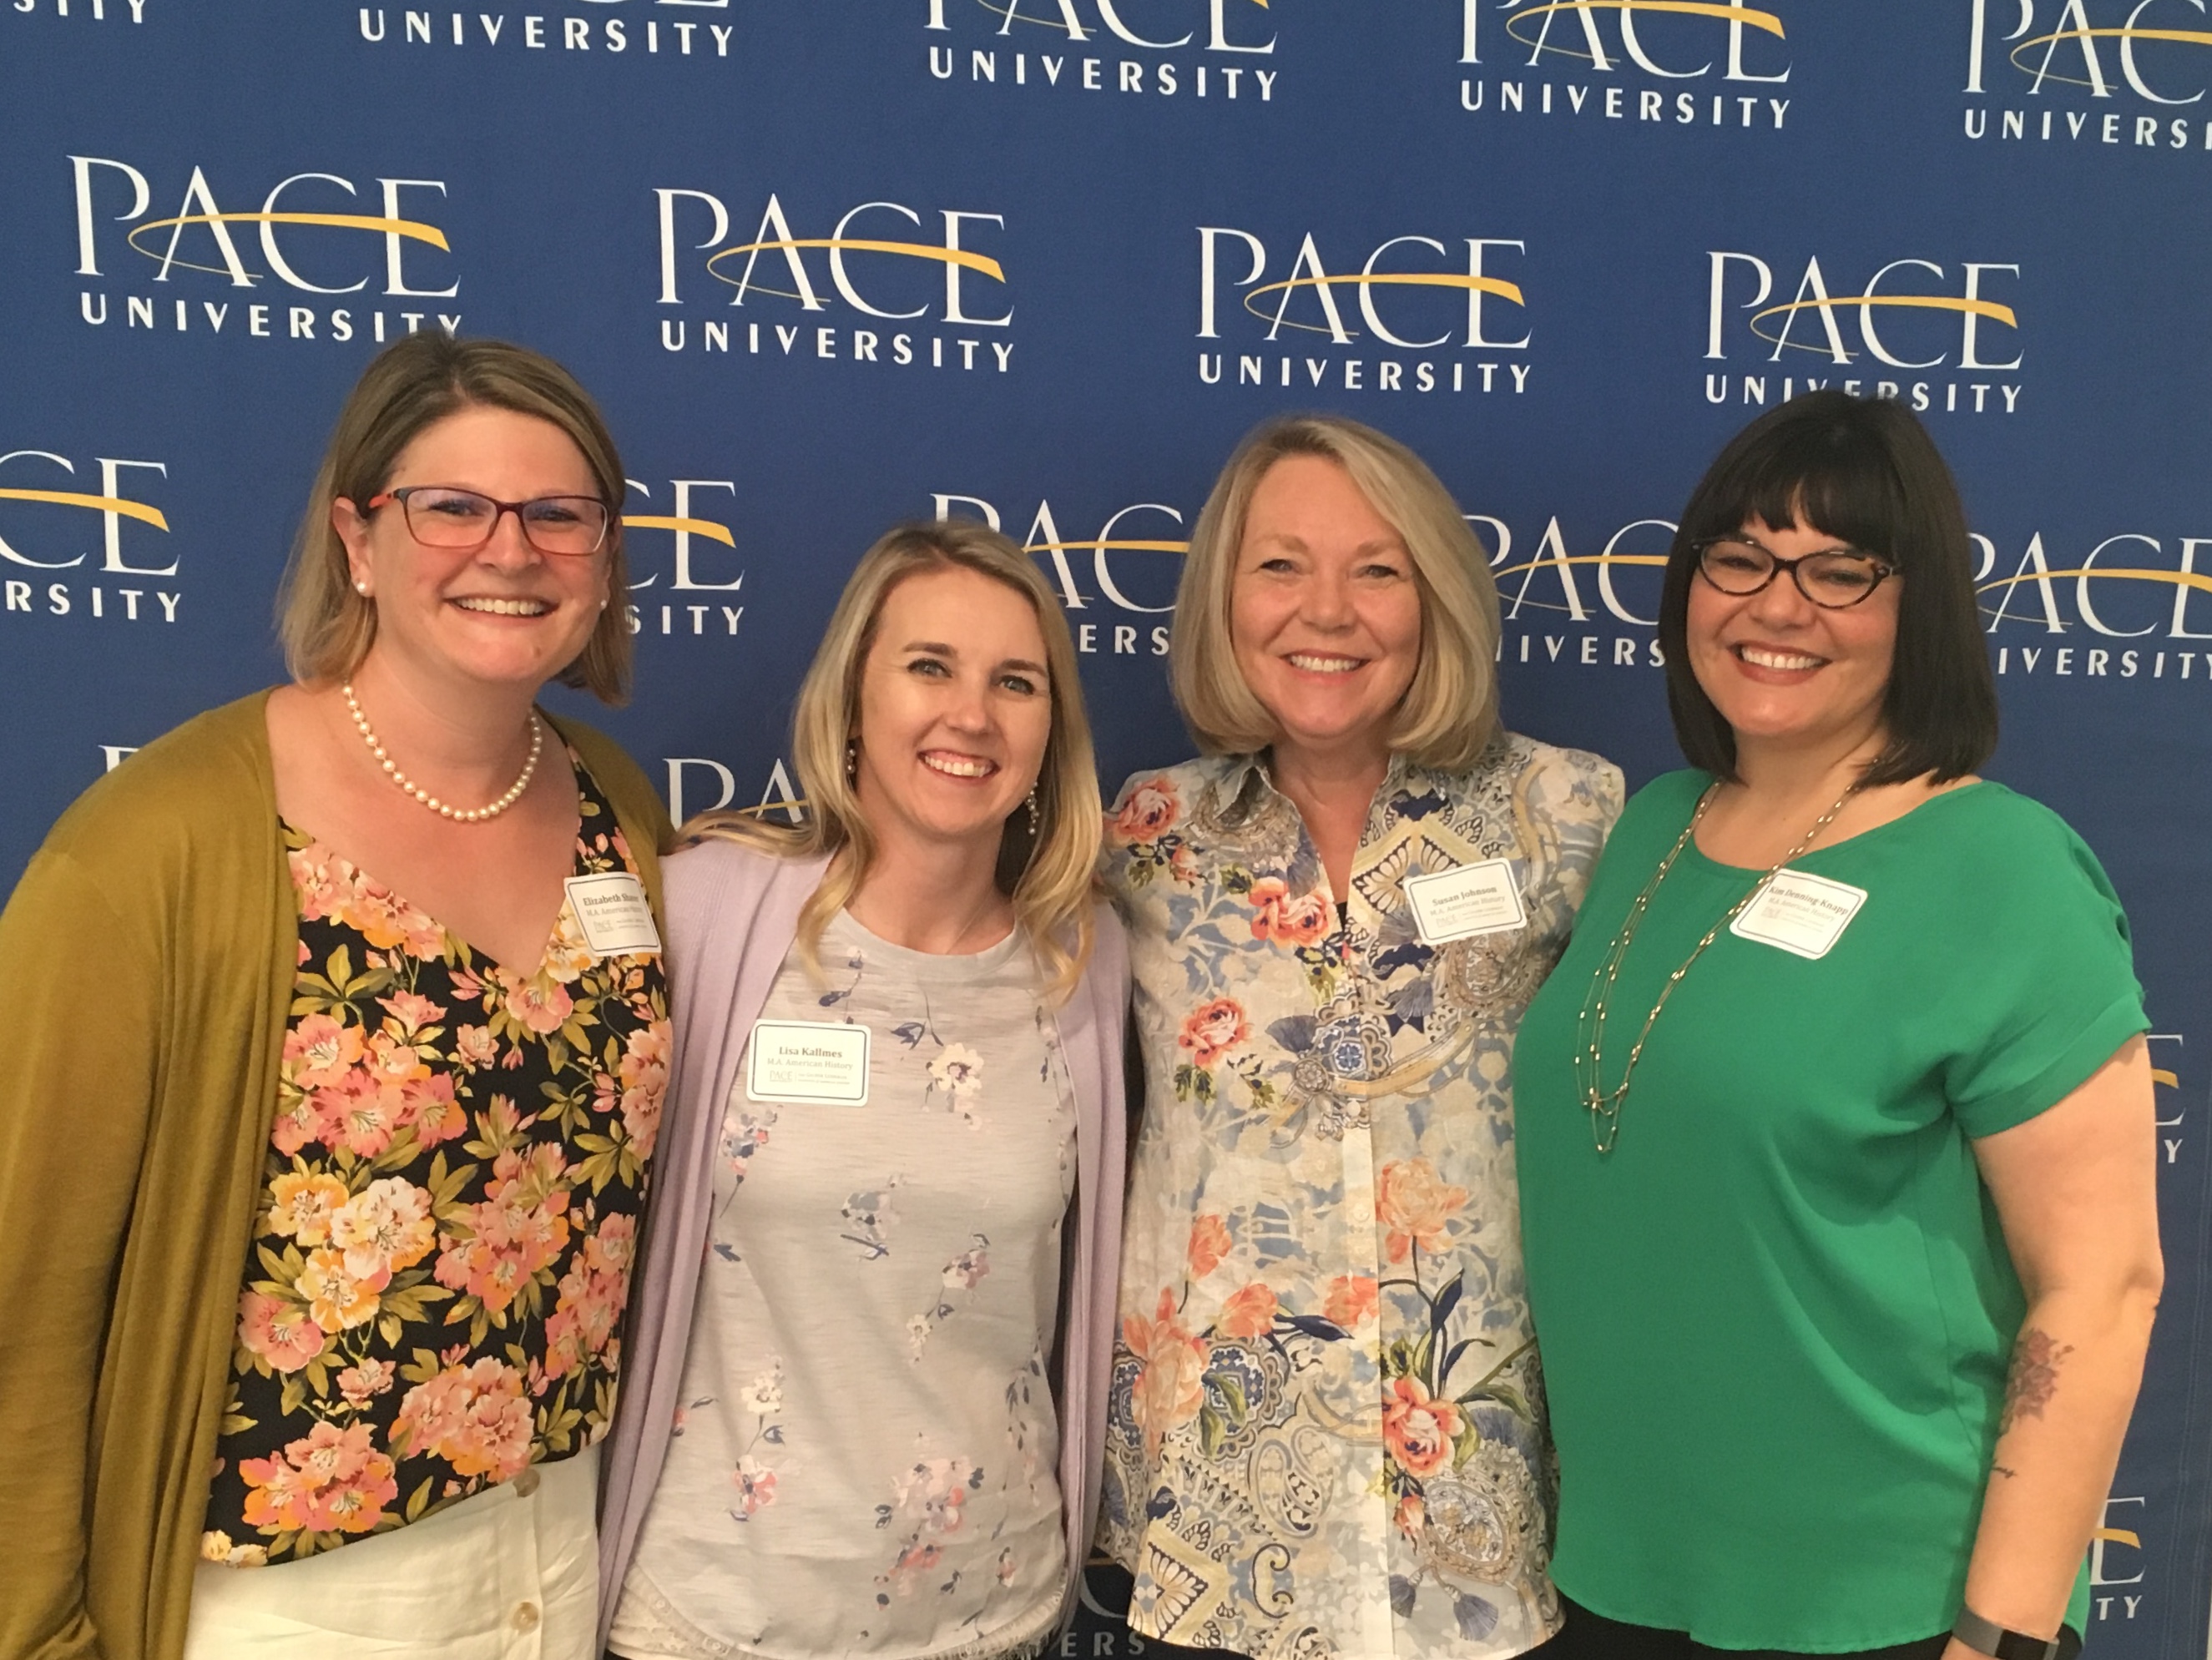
[[526, 1616], [527, 1483]]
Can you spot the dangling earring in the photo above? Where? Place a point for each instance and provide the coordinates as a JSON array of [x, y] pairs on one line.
[[1033, 811], [852, 760]]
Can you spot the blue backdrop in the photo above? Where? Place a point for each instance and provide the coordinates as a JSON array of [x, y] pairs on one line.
[[1043, 261]]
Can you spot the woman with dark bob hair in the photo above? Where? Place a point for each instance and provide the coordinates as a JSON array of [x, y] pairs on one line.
[[1836, 1143]]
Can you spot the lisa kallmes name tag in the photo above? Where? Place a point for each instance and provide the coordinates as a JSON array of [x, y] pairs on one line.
[[814, 1063]]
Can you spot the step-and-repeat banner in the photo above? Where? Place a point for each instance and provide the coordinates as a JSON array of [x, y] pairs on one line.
[[830, 264]]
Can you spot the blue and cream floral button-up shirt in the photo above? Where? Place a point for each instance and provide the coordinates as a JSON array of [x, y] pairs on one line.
[[1327, 1429]]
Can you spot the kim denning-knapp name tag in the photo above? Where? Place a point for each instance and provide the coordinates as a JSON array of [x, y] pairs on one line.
[[813, 1062], [614, 913], [1803, 915], [1465, 902]]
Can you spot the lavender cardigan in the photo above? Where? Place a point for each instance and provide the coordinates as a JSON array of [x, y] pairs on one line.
[[732, 913]]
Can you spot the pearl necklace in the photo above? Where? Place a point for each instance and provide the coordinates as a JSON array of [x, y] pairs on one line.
[[459, 815]]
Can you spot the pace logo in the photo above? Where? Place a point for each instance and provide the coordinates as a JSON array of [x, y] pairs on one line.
[[2118, 73], [1158, 51], [1943, 334], [2165, 1058], [2118, 609], [1416, 313], [287, 267], [1125, 587], [889, 285], [77, 539], [684, 579], [2118, 1576], [1597, 608], [656, 32], [1648, 64], [689, 789]]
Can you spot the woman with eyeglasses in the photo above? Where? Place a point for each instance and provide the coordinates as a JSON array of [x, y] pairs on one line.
[[339, 1037], [869, 1362], [1836, 1130]]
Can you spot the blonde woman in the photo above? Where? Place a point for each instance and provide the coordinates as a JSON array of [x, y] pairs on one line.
[[1327, 1425], [339, 1040], [865, 1409]]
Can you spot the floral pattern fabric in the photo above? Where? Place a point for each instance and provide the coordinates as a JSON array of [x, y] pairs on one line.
[[865, 1452], [1325, 1431], [442, 1252]]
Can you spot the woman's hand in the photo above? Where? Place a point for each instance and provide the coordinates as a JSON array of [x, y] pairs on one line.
[[2076, 1189]]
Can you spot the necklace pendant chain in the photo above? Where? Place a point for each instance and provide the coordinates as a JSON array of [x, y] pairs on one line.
[[445, 809], [1604, 1105]]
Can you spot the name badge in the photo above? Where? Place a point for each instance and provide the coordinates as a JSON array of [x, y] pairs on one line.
[[1460, 903], [814, 1063], [614, 913], [1803, 915]]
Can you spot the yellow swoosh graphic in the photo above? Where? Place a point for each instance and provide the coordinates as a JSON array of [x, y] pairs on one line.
[[1990, 308], [706, 527], [1140, 547], [1585, 559], [1765, 20], [2118, 1536], [2186, 37], [412, 228], [983, 263], [2160, 1076], [2184, 579], [138, 510], [1423, 279]]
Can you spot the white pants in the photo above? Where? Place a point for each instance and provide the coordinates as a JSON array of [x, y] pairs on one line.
[[509, 1574]]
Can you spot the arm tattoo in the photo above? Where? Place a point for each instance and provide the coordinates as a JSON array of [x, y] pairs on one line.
[[2034, 1376]]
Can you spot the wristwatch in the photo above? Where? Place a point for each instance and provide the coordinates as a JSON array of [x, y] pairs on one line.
[[1987, 1637]]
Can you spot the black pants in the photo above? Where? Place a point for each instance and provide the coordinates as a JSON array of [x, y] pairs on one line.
[[1586, 1637], [1593, 1636]]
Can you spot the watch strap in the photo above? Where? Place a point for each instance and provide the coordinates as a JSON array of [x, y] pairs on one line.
[[1987, 1637]]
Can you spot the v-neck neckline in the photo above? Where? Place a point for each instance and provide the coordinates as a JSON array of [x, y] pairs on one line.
[[473, 957]]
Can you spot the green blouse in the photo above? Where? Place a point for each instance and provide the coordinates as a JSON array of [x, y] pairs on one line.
[[1776, 1317]]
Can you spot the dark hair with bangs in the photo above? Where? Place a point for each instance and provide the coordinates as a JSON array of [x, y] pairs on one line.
[[1863, 471]]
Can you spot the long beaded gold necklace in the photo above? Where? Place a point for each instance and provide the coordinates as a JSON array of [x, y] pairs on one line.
[[1604, 1104]]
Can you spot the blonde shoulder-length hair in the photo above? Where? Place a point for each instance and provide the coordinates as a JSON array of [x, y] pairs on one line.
[[1450, 710], [326, 626], [1047, 874]]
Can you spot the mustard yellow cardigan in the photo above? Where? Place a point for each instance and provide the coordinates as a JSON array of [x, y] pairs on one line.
[[146, 965]]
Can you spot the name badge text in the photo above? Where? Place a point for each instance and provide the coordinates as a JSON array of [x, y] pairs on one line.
[[614, 913], [1463, 902], [1803, 915], [813, 1062]]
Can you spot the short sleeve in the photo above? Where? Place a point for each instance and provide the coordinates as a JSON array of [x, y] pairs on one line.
[[2052, 991]]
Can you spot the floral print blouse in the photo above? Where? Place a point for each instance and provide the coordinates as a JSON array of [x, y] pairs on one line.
[[1326, 1431], [452, 1186], [865, 1457]]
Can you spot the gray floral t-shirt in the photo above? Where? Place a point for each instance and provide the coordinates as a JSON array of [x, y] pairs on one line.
[[866, 1455]]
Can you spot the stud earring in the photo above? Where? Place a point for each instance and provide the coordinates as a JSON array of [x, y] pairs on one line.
[[360, 587], [1033, 810], [852, 760]]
